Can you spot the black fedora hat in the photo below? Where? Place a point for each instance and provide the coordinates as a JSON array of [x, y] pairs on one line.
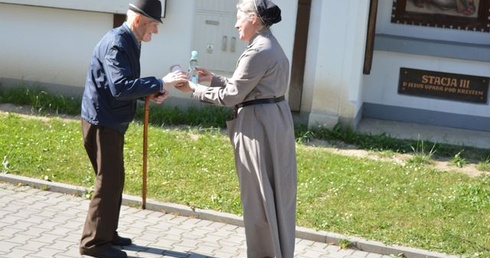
[[149, 8]]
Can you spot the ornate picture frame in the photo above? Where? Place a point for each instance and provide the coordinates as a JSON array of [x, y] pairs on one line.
[[473, 15]]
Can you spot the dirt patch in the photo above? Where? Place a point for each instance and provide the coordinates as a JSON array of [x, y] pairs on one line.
[[440, 164]]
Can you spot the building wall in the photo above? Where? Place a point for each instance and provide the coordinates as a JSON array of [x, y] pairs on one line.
[[51, 45], [425, 48], [334, 62], [38, 44]]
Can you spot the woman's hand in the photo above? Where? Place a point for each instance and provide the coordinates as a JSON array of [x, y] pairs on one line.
[[204, 75], [186, 87]]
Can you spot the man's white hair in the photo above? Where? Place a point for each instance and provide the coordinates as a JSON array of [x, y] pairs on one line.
[[131, 16]]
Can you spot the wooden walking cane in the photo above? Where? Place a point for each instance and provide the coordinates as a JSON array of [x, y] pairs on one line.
[[145, 149]]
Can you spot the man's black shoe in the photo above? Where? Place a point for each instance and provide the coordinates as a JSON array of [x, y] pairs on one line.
[[110, 252], [121, 241]]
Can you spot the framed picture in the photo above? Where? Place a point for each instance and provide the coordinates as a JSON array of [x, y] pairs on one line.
[[471, 15]]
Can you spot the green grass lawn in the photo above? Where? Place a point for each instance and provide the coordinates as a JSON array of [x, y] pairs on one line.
[[411, 205]]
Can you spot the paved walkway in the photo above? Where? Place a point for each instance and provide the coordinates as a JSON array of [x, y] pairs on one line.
[[42, 222]]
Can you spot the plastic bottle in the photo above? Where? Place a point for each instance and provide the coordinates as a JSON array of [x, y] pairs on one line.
[[193, 63]]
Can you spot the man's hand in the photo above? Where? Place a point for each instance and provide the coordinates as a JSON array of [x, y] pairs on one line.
[[173, 78], [159, 97]]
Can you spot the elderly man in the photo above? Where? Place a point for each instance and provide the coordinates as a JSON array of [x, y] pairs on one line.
[[112, 88]]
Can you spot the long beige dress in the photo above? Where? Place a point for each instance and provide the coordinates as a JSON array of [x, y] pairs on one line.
[[263, 140]]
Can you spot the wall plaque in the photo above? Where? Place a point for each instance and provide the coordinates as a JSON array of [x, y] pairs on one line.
[[452, 14], [440, 85]]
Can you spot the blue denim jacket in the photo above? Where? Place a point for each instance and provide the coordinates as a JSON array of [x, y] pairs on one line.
[[113, 83]]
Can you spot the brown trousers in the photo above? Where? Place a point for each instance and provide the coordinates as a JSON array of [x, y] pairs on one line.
[[104, 147]]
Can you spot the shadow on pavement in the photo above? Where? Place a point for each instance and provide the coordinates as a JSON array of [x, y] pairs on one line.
[[163, 252]]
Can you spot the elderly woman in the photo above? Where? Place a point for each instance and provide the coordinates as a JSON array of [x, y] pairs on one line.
[[262, 131]]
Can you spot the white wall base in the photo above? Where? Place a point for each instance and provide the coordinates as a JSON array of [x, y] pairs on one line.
[[322, 120]]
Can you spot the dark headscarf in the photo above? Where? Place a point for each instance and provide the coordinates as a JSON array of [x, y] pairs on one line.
[[268, 12]]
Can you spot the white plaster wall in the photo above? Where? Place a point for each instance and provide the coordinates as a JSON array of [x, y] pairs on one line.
[[43, 45], [108, 6], [334, 62], [381, 87], [355, 44], [284, 30], [173, 43], [312, 57], [48, 45], [54, 46]]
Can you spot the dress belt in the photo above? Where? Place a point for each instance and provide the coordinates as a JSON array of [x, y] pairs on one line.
[[260, 101]]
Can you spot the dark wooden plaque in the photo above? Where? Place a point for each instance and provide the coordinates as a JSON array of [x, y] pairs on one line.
[[441, 85]]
